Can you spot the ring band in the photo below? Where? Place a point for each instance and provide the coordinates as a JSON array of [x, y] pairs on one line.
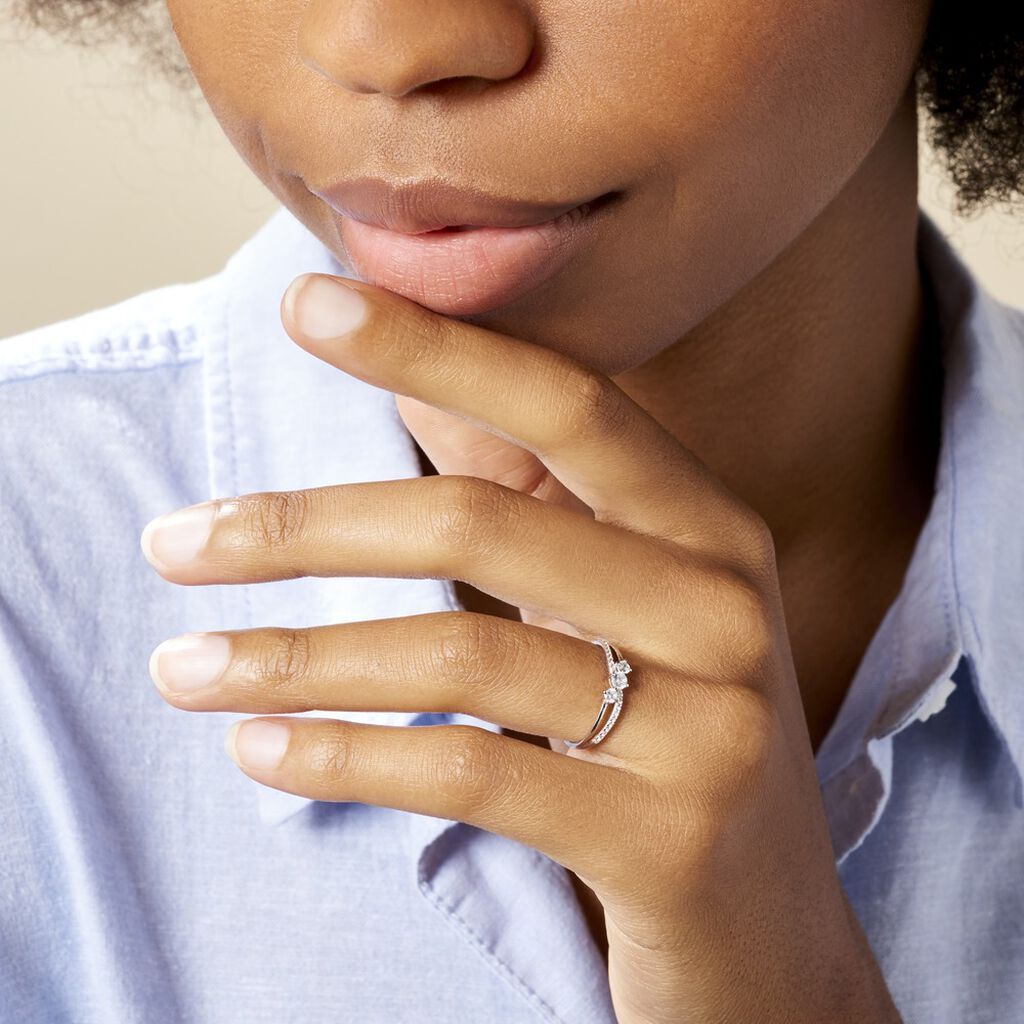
[[618, 667]]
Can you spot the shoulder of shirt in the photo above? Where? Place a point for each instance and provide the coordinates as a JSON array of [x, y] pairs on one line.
[[161, 326]]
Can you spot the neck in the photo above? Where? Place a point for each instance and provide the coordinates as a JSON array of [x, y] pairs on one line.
[[810, 393]]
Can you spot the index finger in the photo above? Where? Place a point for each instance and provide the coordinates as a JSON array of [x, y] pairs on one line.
[[589, 433]]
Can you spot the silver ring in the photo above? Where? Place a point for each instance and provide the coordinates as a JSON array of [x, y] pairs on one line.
[[618, 667]]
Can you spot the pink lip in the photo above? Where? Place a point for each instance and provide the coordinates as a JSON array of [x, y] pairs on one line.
[[468, 271]]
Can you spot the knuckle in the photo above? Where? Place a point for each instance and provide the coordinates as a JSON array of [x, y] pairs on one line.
[[283, 661], [274, 519], [469, 770], [328, 758], [431, 337], [744, 624], [468, 513], [742, 738], [416, 344], [591, 406], [756, 544], [468, 650]]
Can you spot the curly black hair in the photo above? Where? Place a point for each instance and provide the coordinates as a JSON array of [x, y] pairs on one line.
[[969, 77]]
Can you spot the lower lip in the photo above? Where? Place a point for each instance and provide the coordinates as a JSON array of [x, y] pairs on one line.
[[473, 271]]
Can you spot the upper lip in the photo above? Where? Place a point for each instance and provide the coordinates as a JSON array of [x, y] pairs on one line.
[[428, 205]]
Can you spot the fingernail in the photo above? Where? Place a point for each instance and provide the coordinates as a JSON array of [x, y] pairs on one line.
[[189, 662], [176, 538], [257, 743], [323, 308]]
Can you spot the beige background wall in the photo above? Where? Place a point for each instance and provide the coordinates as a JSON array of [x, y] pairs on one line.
[[111, 185]]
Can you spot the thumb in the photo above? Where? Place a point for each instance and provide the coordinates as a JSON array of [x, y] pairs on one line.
[[456, 446]]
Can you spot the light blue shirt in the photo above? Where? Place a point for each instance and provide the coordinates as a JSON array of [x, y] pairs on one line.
[[145, 878]]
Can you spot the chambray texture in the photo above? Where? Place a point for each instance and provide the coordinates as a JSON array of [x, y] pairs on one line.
[[145, 878]]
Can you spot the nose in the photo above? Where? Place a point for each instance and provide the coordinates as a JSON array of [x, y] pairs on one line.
[[396, 46]]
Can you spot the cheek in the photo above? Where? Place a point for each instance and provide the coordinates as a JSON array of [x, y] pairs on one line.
[[754, 114], [764, 92], [239, 52]]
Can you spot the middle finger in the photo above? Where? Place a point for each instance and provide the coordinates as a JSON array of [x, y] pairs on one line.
[[554, 561]]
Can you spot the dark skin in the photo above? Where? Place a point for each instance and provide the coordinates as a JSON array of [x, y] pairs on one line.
[[836, 587], [828, 642], [827, 648], [755, 292]]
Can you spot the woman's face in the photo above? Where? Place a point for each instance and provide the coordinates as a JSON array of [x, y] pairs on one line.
[[725, 125]]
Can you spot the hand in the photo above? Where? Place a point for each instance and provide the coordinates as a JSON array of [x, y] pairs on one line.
[[698, 820]]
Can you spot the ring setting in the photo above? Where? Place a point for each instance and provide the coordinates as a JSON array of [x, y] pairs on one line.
[[618, 669]]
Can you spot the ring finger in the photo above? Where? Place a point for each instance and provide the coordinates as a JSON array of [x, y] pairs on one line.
[[522, 677]]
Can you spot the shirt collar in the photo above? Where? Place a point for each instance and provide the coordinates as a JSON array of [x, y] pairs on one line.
[[961, 592], [982, 479]]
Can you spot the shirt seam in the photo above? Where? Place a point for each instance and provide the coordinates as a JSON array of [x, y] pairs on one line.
[[112, 354], [140, 332]]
